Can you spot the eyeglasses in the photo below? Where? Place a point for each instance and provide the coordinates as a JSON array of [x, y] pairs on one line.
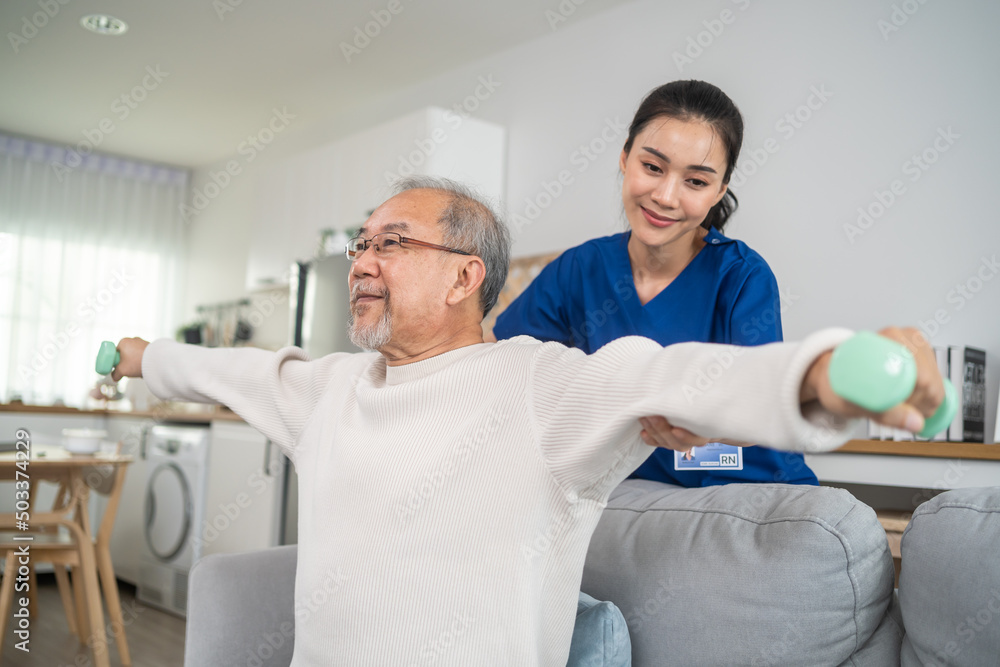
[[387, 243]]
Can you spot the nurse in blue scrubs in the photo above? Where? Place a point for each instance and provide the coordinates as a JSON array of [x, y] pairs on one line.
[[673, 276]]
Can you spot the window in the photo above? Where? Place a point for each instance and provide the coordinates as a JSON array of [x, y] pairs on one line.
[[87, 254]]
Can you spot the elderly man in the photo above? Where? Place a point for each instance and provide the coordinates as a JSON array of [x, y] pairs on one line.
[[453, 485]]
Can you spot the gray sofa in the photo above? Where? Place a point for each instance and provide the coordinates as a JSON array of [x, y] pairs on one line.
[[734, 575]]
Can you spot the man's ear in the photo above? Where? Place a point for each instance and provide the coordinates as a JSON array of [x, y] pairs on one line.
[[470, 275]]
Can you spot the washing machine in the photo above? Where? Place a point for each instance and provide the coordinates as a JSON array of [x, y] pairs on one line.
[[177, 461]]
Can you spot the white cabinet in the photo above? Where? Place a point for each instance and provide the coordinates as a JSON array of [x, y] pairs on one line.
[[336, 186], [128, 533], [272, 248], [243, 490], [293, 208], [363, 161]]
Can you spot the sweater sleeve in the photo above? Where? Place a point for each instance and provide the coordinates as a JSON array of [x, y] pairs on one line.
[[275, 392], [586, 407]]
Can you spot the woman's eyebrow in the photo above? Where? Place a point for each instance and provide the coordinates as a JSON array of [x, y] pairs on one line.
[[695, 167]]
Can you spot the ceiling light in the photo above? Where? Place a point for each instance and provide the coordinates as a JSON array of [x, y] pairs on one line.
[[103, 24]]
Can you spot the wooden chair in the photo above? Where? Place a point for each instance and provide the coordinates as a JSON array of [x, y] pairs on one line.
[[57, 536]]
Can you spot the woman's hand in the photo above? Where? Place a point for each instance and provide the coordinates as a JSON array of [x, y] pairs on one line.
[[909, 415], [658, 432], [130, 365]]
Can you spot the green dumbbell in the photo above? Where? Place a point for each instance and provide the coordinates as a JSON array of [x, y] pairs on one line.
[[107, 358], [877, 374]]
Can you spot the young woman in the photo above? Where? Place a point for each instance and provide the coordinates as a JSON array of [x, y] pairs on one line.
[[673, 276]]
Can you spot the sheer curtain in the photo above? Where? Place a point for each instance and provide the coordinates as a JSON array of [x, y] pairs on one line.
[[89, 251]]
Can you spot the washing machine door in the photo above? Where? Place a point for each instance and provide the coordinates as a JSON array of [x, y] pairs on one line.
[[169, 509]]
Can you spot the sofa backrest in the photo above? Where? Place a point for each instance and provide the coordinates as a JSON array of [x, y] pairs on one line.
[[949, 584], [745, 575]]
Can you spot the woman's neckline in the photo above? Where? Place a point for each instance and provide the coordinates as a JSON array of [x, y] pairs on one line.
[[651, 285]]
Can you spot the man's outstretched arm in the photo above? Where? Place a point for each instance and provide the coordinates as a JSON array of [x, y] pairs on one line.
[[273, 391], [909, 415], [586, 407]]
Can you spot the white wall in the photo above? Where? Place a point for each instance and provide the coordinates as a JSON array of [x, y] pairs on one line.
[[890, 93]]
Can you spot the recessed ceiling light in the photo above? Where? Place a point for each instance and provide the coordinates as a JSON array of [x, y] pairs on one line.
[[103, 24]]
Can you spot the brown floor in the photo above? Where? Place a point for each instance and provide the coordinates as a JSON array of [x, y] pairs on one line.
[[155, 638]]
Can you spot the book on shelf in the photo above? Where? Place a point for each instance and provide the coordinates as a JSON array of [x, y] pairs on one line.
[[996, 434], [974, 396], [955, 375], [966, 368], [967, 371]]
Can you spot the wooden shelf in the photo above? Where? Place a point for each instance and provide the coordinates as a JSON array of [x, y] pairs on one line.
[[47, 409], [940, 450], [201, 416]]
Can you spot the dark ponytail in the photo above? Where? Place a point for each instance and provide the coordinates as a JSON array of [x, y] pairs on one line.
[[700, 101]]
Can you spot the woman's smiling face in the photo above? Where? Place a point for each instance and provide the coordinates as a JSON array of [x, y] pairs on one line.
[[673, 176]]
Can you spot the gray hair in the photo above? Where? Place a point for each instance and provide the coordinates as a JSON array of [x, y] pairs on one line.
[[470, 224]]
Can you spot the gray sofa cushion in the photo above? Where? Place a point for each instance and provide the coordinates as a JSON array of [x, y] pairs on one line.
[[745, 575], [882, 648], [241, 610], [949, 584]]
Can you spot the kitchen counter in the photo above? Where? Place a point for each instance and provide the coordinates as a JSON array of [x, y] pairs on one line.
[[165, 413]]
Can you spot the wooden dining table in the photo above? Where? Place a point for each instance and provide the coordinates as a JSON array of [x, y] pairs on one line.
[[74, 474]]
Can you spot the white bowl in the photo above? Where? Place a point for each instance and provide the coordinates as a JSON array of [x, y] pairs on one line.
[[83, 440]]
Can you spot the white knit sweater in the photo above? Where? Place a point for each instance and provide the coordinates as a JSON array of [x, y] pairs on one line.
[[446, 506]]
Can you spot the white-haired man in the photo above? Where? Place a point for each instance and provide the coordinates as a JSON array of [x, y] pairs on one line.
[[455, 484]]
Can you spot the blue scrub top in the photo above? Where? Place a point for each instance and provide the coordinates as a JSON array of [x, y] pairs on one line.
[[586, 298]]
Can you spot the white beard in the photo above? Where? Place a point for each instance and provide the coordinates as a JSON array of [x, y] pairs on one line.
[[374, 336]]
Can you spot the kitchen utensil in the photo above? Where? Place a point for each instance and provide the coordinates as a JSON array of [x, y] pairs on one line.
[[83, 440]]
